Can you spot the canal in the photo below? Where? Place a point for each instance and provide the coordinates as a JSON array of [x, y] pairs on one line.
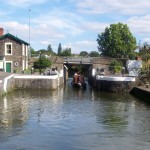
[[73, 119]]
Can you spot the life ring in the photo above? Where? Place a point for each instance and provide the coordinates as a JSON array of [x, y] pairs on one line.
[[16, 64]]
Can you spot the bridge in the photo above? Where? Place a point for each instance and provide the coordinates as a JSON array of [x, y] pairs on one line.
[[77, 60]]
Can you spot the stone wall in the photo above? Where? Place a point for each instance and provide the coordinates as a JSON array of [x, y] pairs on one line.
[[16, 54], [57, 62]]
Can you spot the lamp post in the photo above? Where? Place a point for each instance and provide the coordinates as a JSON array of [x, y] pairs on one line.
[[29, 25]]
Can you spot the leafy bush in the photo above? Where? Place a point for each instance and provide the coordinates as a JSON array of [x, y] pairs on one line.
[[42, 63], [115, 66]]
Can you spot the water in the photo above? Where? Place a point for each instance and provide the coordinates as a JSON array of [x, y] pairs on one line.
[[73, 119]]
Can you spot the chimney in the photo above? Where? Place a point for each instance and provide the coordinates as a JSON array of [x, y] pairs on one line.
[[1, 31]]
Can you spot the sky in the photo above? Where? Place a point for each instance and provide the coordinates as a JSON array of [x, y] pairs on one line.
[[73, 23]]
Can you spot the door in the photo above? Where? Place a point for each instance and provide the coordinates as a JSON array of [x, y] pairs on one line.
[[8, 67]]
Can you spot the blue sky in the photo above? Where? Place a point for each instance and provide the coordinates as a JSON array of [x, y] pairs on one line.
[[73, 23]]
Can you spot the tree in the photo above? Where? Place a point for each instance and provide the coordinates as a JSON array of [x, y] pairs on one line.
[[83, 53], [94, 54], [50, 50], [116, 41], [42, 63], [59, 49], [145, 52], [33, 53], [66, 52], [42, 51]]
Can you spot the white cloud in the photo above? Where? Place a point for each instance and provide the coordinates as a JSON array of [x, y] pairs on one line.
[[15, 28], [24, 3], [140, 25], [60, 21], [127, 7], [95, 26], [85, 45], [58, 25], [146, 40]]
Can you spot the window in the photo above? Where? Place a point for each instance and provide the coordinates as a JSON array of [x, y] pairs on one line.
[[8, 48]]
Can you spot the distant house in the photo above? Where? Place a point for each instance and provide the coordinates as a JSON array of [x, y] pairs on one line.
[[13, 53]]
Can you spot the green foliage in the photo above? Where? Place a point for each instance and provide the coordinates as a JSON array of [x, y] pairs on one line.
[[116, 41], [145, 52], [94, 54], [84, 53], [42, 51], [42, 63], [50, 50], [33, 52], [66, 52], [59, 49], [115, 66]]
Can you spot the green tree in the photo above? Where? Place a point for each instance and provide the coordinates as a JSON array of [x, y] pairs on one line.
[[94, 54], [66, 52], [84, 53], [116, 41], [42, 63], [42, 51], [33, 53], [59, 49], [50, 50], [145, 52]]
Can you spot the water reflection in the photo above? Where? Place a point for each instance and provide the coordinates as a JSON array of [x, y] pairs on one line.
[[13, 115], [69, 118]]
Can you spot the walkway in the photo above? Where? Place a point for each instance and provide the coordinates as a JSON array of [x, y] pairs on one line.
[[4, 75]]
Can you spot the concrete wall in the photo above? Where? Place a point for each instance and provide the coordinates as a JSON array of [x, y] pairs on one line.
[[7, 84], [115, 84], [38, 82]]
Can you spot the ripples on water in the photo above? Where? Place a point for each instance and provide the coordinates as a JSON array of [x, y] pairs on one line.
[[73, 119]]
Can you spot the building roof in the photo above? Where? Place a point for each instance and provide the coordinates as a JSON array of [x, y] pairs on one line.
[[10, 36]]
